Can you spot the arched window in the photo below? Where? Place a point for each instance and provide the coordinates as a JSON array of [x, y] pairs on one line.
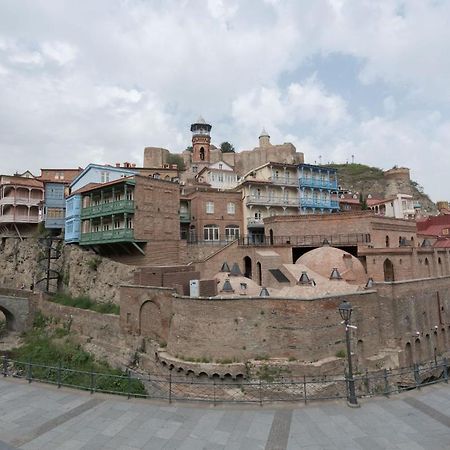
[[388, 268], [258, 273], [211, 232], [202, 153], [387, 241], [247, 266], [408, 355]]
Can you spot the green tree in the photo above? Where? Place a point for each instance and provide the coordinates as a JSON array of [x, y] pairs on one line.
[[226, 147], [363, 202], [176, 159], [189, 148]]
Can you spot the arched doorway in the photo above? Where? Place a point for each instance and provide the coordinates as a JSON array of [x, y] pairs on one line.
[[8, 322], [418, 351], [427, 268], [408, 355], [248, 267], [388, 269], [360, 354], [150, 320], [258, 273], [271, 236]]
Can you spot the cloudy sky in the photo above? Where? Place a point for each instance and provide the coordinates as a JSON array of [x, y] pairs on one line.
[[98, 80]]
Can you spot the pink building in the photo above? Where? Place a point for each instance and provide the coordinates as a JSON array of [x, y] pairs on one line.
[[20, 199]]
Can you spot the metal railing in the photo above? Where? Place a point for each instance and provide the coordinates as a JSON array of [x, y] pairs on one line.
[[317, 183], [219, 239], [263, 389], [98, 237], [308, 202], [306, 240], [113, 207], [275, 201]]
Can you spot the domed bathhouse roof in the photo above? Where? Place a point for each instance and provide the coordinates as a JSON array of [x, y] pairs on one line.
[[323, 260]]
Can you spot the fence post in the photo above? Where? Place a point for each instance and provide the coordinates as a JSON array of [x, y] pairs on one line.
[[58, 374], [445, 370], [170, 387], [260, 393], [129, 383], [416, 375], [92, 381], [386, 383], [305, 396], [5, 365], [30, 371]]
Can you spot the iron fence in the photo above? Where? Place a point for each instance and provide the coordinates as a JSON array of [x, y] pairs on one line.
[[260, 390], [305, 240]]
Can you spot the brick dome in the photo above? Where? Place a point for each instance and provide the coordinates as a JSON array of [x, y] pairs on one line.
[[322, 260]]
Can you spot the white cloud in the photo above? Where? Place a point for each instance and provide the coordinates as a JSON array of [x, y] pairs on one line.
[[83, 81], [60, 52]]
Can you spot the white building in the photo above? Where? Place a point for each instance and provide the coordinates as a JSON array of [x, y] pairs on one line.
[[219, 175]]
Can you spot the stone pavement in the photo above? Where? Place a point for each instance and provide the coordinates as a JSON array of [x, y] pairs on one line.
[[38, 416]]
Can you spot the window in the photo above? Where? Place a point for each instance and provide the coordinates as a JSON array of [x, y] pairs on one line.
[[220, 166], [231, 232], [231, 208], [211, 233], [209, 207], [104, 177], [117, 224], [194, 169]]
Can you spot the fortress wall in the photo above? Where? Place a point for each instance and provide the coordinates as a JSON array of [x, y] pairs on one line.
[[307, 330]]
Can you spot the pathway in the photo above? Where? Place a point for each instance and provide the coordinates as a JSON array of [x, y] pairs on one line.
[[36, 416]]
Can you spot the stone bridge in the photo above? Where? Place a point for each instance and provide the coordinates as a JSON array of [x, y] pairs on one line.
[[16, 305]]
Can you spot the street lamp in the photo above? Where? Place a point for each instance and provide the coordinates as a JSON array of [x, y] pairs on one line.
[[345, 310]]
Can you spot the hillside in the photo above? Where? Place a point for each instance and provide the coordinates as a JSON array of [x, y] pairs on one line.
[[372, 180]]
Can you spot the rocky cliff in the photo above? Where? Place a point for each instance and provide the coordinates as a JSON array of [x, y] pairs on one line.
[[382, 184], [81, 272]]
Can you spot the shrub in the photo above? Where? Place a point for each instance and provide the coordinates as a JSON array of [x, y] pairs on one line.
[[84, 302], [94, 262], [341, 354], [52, 347]]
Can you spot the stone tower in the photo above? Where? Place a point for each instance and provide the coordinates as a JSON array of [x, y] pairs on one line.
[[201, 141], [264, 139]]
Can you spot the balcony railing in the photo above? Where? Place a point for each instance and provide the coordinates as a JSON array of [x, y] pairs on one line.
[[255, 223], [20, 201], [317, 183], [10, 218], [318, 203], [284, 181], [271, 201], [105, 209], [108, 236], [316, 240], [185, 217]]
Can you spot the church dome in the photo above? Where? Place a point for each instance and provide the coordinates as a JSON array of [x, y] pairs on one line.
[[324, 259]]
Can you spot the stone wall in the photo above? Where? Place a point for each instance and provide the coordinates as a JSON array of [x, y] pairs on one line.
[[389, 320], [82, 272], [98, 333]]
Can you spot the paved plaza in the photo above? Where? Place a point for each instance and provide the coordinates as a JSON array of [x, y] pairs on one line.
[[36, 416]]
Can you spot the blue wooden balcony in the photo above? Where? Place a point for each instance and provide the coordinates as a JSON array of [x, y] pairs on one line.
[[317, 183], [306, 202]]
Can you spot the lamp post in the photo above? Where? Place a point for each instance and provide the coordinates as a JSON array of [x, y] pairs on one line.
[[345, 310]]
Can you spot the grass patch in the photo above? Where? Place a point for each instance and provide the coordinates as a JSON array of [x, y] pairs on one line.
[[84, 302], [341, 354], [46, 344]]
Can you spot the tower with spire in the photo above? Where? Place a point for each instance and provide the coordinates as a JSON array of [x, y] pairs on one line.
[[264, 139], [201, 141]]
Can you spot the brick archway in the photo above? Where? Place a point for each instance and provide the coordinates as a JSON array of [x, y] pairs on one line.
[[150, 320]]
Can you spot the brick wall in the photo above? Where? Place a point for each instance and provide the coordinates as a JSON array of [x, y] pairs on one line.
[[387, 320]]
